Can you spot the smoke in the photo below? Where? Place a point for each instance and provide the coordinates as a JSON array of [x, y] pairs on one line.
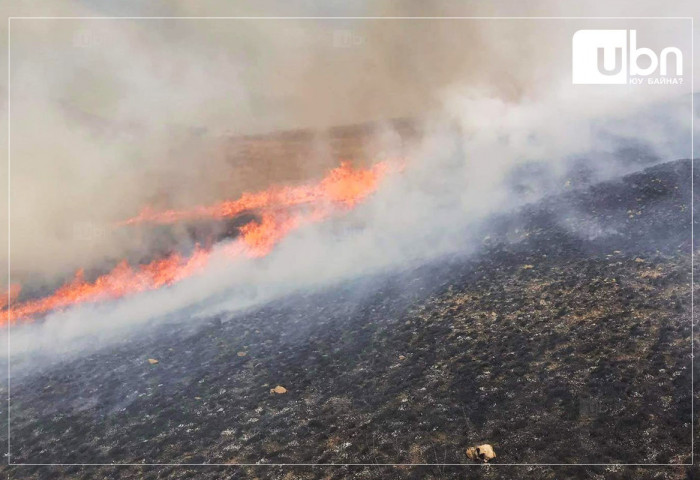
[[111, 115]]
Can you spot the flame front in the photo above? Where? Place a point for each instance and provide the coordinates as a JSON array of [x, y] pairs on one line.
[[342, 189], [342, 186]]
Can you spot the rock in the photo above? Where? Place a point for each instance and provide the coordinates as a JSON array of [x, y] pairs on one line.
[[279, 389], [152, 361], [481, 453]]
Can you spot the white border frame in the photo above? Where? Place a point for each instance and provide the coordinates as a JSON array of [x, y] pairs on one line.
[[692, 236]]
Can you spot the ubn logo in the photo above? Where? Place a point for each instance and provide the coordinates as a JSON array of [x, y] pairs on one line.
[[603, 57]]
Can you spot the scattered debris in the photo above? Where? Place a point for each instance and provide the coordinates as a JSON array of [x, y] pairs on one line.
[[242, 354], [152, 361], [279, 389], [528, 267], [402, 357], [482, 453]]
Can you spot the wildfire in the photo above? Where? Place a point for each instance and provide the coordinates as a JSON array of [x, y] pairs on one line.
[[343, 188]]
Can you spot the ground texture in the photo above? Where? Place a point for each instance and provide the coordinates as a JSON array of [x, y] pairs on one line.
[[565, 339]]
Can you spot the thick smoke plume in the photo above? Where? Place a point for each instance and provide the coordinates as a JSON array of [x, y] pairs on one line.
[[108, 116]]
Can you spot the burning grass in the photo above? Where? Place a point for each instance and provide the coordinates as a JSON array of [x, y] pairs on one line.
[[280, 210]]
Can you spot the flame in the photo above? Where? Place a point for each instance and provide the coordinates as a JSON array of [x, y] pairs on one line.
[[10, 295], [343, 188], [343, 185]]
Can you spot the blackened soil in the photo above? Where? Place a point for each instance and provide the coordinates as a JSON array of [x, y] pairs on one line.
[[566, 339]]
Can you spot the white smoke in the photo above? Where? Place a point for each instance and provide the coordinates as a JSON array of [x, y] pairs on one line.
[[100, 110]]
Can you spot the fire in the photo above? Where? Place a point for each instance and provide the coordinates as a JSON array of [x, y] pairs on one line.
[[10, 295], [261, 237], [122, 280], [343, 188]]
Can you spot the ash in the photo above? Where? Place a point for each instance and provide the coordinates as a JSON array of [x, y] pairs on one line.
[[566, 339]]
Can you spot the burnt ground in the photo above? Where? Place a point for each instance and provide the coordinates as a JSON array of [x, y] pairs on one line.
[[565, 339]]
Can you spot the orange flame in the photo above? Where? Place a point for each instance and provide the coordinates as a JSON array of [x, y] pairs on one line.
[[343, 187], [10, 295]]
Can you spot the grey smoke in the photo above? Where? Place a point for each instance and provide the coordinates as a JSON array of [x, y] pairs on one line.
[[110, 116]]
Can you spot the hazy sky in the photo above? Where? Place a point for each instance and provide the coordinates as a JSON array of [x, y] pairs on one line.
[[145, 82]]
